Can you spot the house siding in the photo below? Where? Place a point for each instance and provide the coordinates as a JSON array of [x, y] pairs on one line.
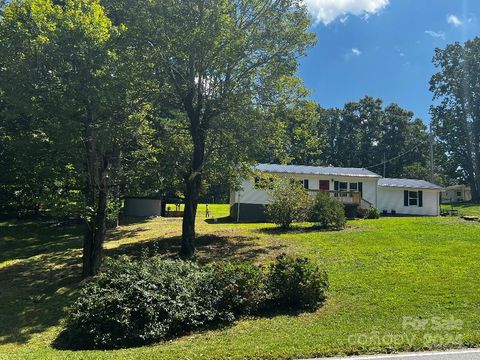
[[450, 195], [393, 199], [140, 207], [249, 195]]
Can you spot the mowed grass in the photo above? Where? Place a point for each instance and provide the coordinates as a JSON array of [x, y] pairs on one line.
[[468, 209], [383, 273], [216, 210]]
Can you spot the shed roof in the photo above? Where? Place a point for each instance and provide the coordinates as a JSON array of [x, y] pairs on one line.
[[408, 183], [316, 170], [454, 187]]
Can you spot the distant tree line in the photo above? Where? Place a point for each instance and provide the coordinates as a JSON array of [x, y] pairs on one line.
[[361, 134]]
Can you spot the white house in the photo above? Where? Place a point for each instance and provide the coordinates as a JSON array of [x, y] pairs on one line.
[[408, 197], [456, 193], [355, 187]]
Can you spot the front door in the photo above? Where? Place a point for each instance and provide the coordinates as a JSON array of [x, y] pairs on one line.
[[324, 185]]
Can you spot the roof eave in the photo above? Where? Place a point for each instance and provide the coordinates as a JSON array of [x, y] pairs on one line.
[[412, 187], [326, 174]]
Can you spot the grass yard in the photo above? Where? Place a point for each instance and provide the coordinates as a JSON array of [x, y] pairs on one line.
[[383, 274], [216, 210], [465, 208]]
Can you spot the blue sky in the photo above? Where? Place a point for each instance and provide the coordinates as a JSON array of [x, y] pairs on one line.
[[382, 48]]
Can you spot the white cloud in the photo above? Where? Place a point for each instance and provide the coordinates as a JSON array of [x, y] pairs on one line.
[[356, 52], [344, 19], [454, 20], [326, 11], [435, 34]]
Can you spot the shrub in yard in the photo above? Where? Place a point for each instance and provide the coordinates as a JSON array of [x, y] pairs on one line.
[[289, 203], [133, 303], [137, 302], [296, 283], [372, 213], [327, 212], [242, 288]]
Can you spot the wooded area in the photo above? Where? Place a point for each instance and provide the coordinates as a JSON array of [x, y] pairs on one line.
[[100, 99]]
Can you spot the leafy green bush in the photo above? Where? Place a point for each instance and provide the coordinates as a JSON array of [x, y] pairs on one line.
[[372, 213], [296, 283], [242, 286], [289, 203], [137, 302], [327, 212], [132, 303]]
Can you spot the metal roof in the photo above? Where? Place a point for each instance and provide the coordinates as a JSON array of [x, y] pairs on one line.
[[408, 183], [453, 187], [316, 170]]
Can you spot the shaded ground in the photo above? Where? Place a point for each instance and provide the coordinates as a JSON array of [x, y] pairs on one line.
[[40, 265], [381, 271]]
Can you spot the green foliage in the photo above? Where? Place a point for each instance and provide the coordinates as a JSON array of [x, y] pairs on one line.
[[310, 135], [328, 212], [242, 288], [456, 116], [138, 302], [289, 202], [213, 60], [371, 213], [132, 303], [297, 283]]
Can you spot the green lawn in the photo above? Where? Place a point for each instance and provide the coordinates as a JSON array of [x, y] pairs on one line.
[[382, 273], [216, 210], [465, 208]]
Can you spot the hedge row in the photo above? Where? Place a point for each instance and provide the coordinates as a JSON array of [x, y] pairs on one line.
[[138, 302]]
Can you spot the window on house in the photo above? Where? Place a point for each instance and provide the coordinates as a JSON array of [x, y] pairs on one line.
[[353, 186], [413, 198], [343, 186], [306, 184], [459, 193]]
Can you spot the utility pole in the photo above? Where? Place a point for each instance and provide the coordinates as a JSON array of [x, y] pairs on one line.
[[384, 164], [431, 154]]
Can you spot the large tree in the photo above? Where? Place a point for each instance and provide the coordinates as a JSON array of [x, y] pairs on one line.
[[61, 66], [219, 62], [456, 116]]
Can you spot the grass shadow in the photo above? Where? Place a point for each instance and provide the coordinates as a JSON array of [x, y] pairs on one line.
[[221, 220], [41, 269], [24, 239], [35, 293], [294, 230], [209, 247]]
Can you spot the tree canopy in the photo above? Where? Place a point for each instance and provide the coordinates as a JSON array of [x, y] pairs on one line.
[[456, 116]]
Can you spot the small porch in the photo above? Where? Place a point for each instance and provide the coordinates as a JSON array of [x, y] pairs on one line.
[[346, 197]]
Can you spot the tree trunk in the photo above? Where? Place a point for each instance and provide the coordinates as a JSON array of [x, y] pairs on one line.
[[193, 182], [94, 239], [96, 228], [474, 188], [190, 212], [476, 176], [473, 164], [98, 168]]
